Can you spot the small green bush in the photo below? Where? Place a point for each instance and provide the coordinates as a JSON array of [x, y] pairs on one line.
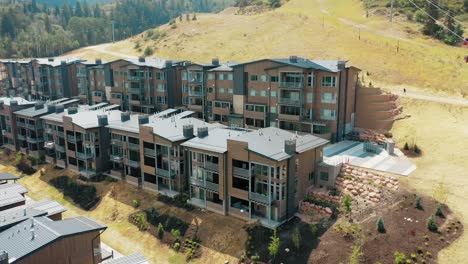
[[136, 203], [160, 231], [438, 211], [380, 225], [431, 224], [417, 203], [177, 246], [416, 149], [414, 256], [406, 147], [255, 258], [400, 258], [314, 230], [148, 51], [175, 233], [296, 238]]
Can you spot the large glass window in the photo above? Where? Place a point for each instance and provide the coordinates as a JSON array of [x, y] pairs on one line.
[[329, 81]]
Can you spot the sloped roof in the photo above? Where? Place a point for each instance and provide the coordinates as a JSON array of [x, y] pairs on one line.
[[216, 141], [19, 100], [130, 259], [224, 67], [5, 176], [18, 241]]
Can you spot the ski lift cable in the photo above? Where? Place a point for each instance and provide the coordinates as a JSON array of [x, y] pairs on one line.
[[437, 22], [445, 12]]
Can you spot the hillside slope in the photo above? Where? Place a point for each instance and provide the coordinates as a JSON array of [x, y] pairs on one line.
[[389, 54]]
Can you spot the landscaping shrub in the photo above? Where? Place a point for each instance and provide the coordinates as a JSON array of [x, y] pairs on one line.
[[380, 225], [416, 149], [438, 211], [356, 254], [274, 245], [296, 238], [314, 229], [136, 203], [160, 231], [406, 147], [148, 51], [175, 233], [417, 203], [23, 164], [255, 258], [168, 222], [347, 203], [81, 194], [400, 258], [177, 246], [431, 224], [139, 219]]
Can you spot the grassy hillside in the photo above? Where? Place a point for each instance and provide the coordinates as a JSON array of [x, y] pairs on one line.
[[389, 54]]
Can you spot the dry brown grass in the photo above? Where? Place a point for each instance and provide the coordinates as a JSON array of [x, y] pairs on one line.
[[296, 29], [441, 131]]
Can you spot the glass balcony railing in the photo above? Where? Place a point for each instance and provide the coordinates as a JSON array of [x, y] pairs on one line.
[[240, 172], [294, 85], [258, 197]]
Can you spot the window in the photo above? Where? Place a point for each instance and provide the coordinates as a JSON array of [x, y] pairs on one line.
[[264, 78], [184, 76], [274, 78], [327, 114], [116, 96], [310, 98], [161, 87], [263, 93], [253, 92], [229, 76], [310, 79], [273, 109], [309, 114], [329, 98], [210, 76], [221, 77], [221, 90], [273, 93], [210, 89], [324, 176], [159, 75], [230, 91], [329, 81], [253, 77]]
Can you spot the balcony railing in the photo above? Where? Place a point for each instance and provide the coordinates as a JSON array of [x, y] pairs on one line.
[[195, 93], [328, 101], [261, 198], [81, 75], [73, 139], [211, 166], [212, 186], [60, 133], [133, 146], [240, 172], [80, 155], [34, 140], [196, 80], [116, 158], [135, 78], [149, 152], [88, 173], [197, 182], [59, 148], [21, 137], [136, 90], [116, 142], [30, 126], [20, 124], [293, 85], [289, 101], [165, 173], [133, 163]]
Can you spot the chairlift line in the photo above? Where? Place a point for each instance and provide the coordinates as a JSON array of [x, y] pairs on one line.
[[443, 11], [437, 22]]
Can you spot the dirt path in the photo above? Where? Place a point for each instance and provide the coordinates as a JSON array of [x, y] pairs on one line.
[[102, 48], [429, 97]]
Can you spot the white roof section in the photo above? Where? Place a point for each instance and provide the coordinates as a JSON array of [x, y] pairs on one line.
[[155, 62], [19, 100], [216, 141], [12, 188], [269, 142], [130, 259], [56, 61]]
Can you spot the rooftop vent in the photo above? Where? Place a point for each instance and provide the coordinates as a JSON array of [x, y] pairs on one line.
[[102, 120], [24, 212], [168, 64], [50, 59], [72, 110], [215, 62], [98, 61], [59, 109], [38, 105], [290, 146], [51, 108], [202, 132], [124, 116], [293, 59], [141, 59], [187, 63], [143, 119], [63, 62], [13, 103], [188, 131], [341, 65]]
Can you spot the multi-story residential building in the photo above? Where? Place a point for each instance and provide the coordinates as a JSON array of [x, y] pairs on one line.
[[220, 94], [78, 138], [79, 73], [16, 77], [249, 174], [8, 126], [53, 78], [162, 156], [297, 94], [30, 127], [145, 85]]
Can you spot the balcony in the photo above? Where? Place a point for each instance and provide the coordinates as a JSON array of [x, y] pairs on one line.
[[20, 124], [289, 117], [134, 102], [257, 197], [49, 145], [165, 173], [34, 127], [289, 101], [328, 101], [80, 155], [211, 166], [116, 158], [195, 93], [87, 173], [197, 182], [60, 163], [81, 75], [196, 80], [132, 163], [149, 152], [135, 78], [73, 139], [133, 146], [60, 133], [116, 142], [21, 137], [34, 140], [135, 90], [212, 186], [59, 148], [291, 85], [240, 172], [49, 130]]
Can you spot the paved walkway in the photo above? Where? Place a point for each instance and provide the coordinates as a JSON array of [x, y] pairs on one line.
[[352, 152]]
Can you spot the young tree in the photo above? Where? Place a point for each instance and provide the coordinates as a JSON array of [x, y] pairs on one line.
[[380, 225], [431, 224], [78, 11], [439, 212], [347, 203], [48, 26], [296, 238], [417, 203], [274, 246], [430, 26], [86, 10]]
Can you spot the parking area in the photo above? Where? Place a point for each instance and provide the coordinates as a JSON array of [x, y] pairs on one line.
[[353, 153]]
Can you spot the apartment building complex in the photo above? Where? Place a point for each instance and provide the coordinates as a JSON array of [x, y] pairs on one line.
[[250, 174], [8, 126], [297, 94]]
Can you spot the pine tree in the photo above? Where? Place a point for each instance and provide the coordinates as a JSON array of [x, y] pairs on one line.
[[86, 10], [57, 11], [48, 26], [78, 11], [380, 225], [417, 203], [449, 22], [431, 224], [430, 26], [97, 11], [34, 8]]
